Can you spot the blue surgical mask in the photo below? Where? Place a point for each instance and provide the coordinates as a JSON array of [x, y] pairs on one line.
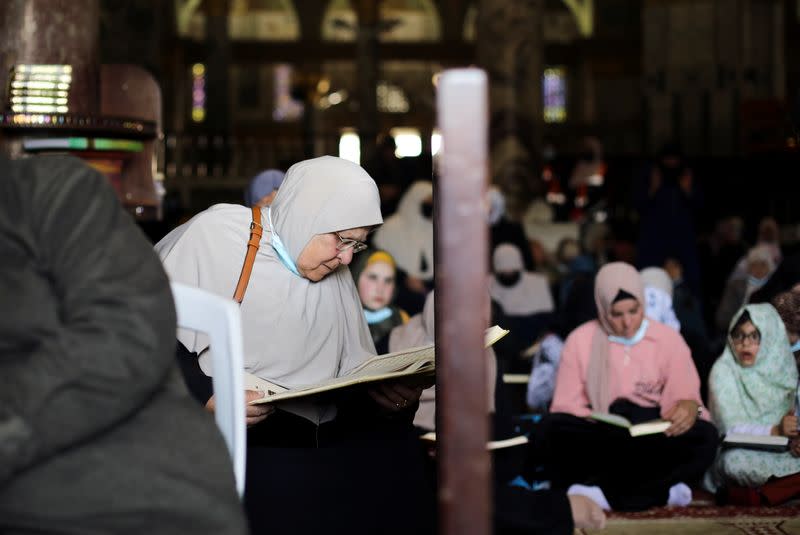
[[633, 340], [377, 316], [756, 282], [795, 346], [280, 248]]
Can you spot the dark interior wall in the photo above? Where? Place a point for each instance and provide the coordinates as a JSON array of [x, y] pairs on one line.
[[133, 31], [608, 88]]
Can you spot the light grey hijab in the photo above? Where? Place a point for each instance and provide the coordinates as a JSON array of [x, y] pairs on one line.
[[419, 331], [295, 331]]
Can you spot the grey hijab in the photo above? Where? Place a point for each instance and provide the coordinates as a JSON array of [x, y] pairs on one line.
[[295, 331], [420, 330]]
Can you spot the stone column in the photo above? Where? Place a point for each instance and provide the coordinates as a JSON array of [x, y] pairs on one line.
[[509, 45]]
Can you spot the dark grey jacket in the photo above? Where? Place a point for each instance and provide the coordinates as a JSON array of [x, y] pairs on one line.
[[97, 431]]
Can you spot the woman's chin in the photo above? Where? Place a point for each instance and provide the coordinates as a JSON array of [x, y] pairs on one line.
[[747, 360]]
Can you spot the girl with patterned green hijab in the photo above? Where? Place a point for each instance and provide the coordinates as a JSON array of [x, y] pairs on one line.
[[752, 389]]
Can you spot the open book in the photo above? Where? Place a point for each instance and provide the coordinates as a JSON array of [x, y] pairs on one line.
[[645, 428], [430, 436], [516, 378], [756, 442], [414, 361]]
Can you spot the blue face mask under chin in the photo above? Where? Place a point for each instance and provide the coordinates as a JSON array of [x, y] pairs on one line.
[[756, 282], [377, 316], [277, 245], [795, 346], [633, 340]]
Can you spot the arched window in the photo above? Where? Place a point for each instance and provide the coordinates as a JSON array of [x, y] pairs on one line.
[[400, 20], [259, 20]]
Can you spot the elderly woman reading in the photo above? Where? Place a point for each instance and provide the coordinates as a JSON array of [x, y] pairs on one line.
[[303, 323]]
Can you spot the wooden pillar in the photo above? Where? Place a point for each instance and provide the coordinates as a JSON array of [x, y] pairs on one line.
[[461, 299], [368, 72], [218, 64]]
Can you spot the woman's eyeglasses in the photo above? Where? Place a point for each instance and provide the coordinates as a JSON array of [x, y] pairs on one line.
[[347, 243], [739, 338]]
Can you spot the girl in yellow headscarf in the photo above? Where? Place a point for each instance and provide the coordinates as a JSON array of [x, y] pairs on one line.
[[375, 274]]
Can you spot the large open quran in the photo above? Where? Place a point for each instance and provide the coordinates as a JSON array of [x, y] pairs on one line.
[[409, 362]]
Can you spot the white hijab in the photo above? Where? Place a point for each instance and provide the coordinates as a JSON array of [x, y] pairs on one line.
[[530, 295], [407, 235], [295, 331], [658, 297]]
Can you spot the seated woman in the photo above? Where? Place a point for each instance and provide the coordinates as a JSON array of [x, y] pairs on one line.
[[534, 513], [524, 297], [303, 323], [788, 306], [752, 388], [638, 368], [374, 274]]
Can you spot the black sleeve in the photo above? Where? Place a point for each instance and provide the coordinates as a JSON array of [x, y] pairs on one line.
[[357, 408], [199, 384]]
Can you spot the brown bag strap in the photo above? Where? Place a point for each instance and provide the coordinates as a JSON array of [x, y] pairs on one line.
[[252, 247]]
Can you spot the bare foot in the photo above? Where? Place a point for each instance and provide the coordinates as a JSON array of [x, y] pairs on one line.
[[586, 514]]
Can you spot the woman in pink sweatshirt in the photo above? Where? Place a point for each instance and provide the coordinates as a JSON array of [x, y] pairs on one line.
[[625, 364]]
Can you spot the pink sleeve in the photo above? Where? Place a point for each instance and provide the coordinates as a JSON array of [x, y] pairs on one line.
[[570, 394], [682, 381]]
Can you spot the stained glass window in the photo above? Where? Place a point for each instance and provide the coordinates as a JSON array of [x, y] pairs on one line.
[[554, 92]]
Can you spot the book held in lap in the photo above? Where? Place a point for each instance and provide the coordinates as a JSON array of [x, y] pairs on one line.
[[756, 442], [644, 428], [417, 361], [519, 440]]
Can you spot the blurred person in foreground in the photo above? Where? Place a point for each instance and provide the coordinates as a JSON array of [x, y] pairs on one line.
[[98, 432]]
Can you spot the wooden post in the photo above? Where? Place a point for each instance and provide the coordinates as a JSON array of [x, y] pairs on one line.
[[368, 73], [461, 304]]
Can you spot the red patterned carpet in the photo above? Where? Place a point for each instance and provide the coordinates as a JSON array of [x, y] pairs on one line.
[[704, 518]]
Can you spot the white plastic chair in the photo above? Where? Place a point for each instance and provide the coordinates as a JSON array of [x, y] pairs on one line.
[[220, 319]]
